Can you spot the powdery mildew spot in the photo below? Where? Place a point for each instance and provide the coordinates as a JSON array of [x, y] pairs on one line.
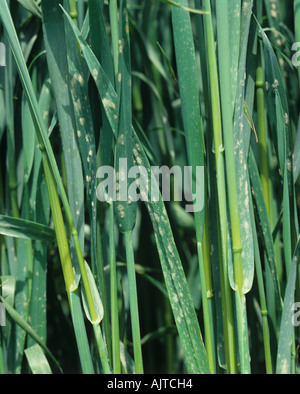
[[108, 103]]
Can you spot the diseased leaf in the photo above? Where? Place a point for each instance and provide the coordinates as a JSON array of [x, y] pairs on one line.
[[283, 364], [56, 51], [31, 6], [21, 228], [179, 294], [96, 298], [37, 361]]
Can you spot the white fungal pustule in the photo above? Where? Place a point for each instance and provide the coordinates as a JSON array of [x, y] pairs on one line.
[[267, 86], [121, 139], [121, 211], [78, 106], [161, 231], [275, 84], [170, 249], [286, 119], [95, 73], [139, 160], [120, 207], [80, 79], [108, 103], [120, 46]]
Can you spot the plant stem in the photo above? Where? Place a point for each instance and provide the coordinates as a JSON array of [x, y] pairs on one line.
[[114, 295], [297, 25], [262, 136], [263, 306], [61, 237], [101, 348], [134, 313], [9, 112], [103, 293], [188, 81], [113, 13], [227, 111], [2, 370], [227, 118], [73, 11], [221, 187]]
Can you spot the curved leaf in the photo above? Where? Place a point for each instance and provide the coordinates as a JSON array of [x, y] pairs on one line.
[[26, 229]]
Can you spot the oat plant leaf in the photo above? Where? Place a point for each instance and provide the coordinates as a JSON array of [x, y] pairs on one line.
[[177, 287], [285, 343], [175, 280], [26, 229], [37, 361]]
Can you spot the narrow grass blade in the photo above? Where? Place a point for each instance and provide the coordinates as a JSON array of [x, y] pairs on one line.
[[188, 83], [34, 107], [29, 137], [263, 222], [99, 38], [233, 15], [125, 210], [241, 138], [60, 230], [96, 298], [38, 302], [262, 297], [114, 294], [37, 361], [28, 329], [78, 76], [22, 297], [178, 4], [71, 286], [238, 189], [283, 364], [280, 121], [105, 87], [179, 293], [31, 6], [55, 42], [134, 311], [81, 334], [297, 153], [25, 229], [297, 25], [40, 212], [216, 124]]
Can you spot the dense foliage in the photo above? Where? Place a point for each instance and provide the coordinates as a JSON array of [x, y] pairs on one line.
[[99, 287]]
